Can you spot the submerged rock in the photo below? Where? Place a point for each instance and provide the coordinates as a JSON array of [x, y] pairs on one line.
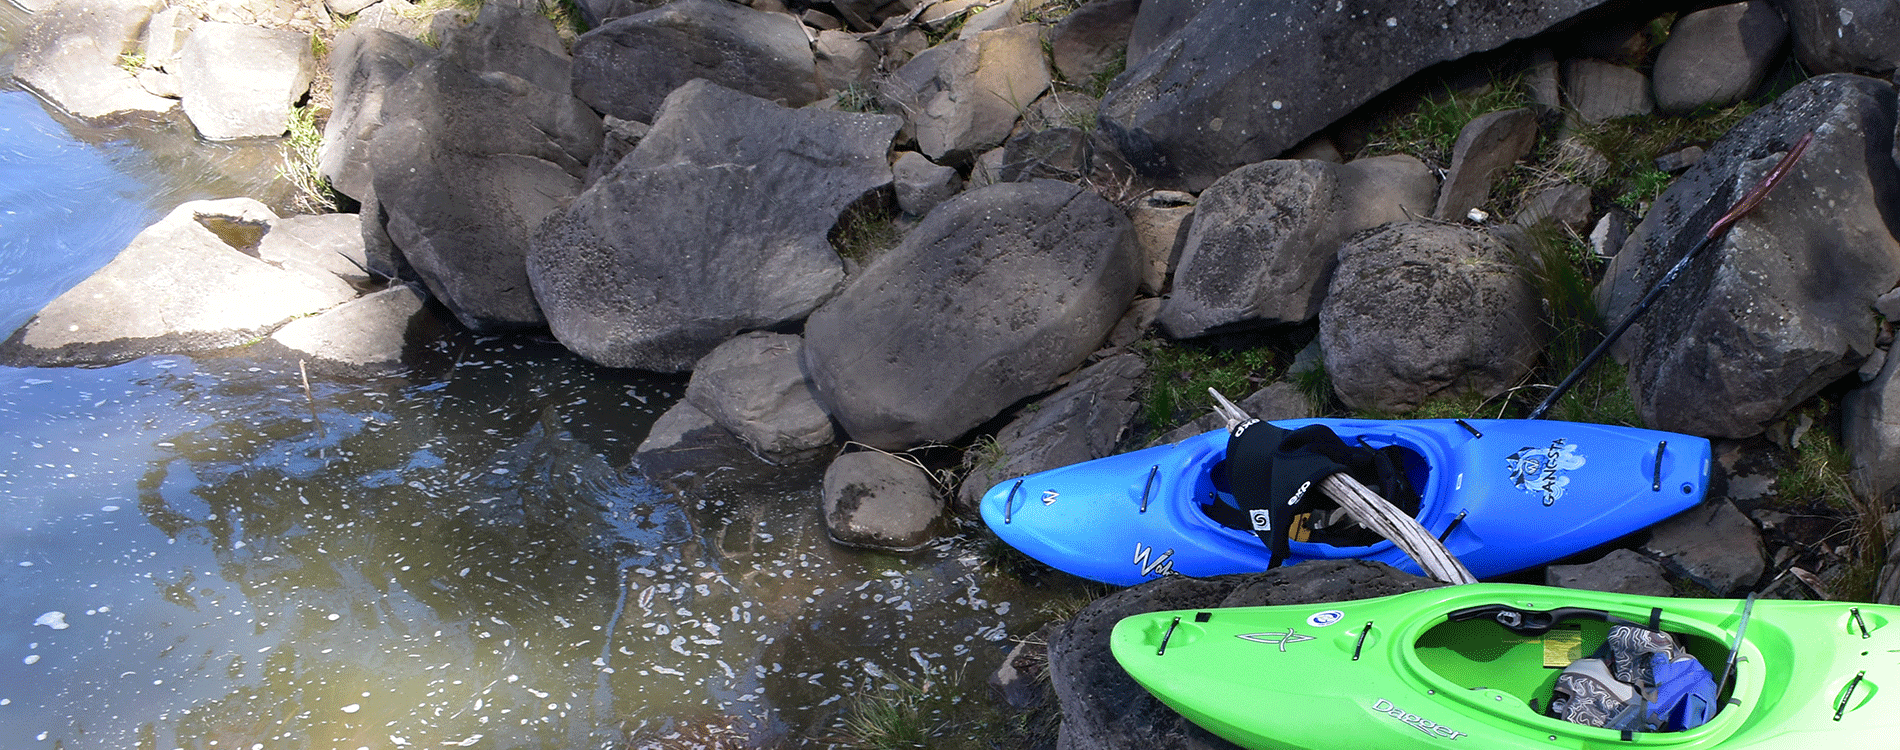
[[878, 501]]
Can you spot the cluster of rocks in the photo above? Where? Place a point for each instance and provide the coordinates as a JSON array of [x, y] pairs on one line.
[[661, 192]]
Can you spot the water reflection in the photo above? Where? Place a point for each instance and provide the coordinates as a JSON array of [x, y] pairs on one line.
[[457, 557]]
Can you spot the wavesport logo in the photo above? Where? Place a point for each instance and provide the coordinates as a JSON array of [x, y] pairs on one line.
[[1415, 721], [1276, 639], [1541, 471]]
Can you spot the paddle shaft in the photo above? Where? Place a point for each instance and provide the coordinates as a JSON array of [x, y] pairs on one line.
[[1741, 628], [1748, 203]]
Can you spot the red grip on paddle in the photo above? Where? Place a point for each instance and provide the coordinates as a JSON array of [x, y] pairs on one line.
[[1760, 191]]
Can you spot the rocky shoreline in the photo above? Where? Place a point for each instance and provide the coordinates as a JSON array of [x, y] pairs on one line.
[[1065, 186]]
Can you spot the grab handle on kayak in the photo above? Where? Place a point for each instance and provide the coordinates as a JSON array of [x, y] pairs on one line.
[[1657, 485], [1009, 503], [1149, 486], [1847, 695], [1526, 622]]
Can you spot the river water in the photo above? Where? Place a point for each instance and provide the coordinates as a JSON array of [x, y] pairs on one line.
[[196, 552]]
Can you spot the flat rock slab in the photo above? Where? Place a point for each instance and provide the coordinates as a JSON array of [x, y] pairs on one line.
[[368, 334], [179, 286], [1713, 544]]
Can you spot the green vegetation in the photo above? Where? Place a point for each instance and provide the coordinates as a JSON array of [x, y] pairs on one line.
[[1180, 374], [1052, 11], [1814, 480], [935, 710], [131, 62], [313, 192], [858, 97], [867, 229], [1627, 148], [899, 714]]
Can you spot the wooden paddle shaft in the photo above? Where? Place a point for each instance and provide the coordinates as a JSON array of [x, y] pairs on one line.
[[1381, 516]]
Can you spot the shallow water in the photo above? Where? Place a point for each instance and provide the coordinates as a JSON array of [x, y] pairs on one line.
[[201, 553]]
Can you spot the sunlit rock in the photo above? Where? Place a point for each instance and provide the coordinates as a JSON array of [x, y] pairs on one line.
[[73, 54], [191, 282]]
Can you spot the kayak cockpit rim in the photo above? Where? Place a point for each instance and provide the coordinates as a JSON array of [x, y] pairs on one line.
[[1472, 656]]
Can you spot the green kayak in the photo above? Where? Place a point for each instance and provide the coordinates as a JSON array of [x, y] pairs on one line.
[[1476, 665]]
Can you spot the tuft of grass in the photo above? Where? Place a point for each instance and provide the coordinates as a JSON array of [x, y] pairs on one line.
[[1816, 479], [1052, 11], [1642, 187], [313, 192], [1180, 374], [566, 15], [131, 62], [1631, 144], [896, 715], [866, 230], [858, 97], [1097, 85]]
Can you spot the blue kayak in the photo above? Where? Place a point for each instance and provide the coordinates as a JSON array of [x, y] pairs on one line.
[[1503, 494]]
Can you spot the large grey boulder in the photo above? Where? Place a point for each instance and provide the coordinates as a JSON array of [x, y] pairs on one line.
[[70, 54], [1265, 238], [240, 81], [715, 224], [627, 67], [1845, 36], [962, 98], [470, 160], [987, 301], [364, 63], [1623, 571], [1782, 304], [366, 335], [1105, 709], [754, 387], [1243, 81], [190, 282], [1714, 57], [1085, 420], [1417, 310]]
